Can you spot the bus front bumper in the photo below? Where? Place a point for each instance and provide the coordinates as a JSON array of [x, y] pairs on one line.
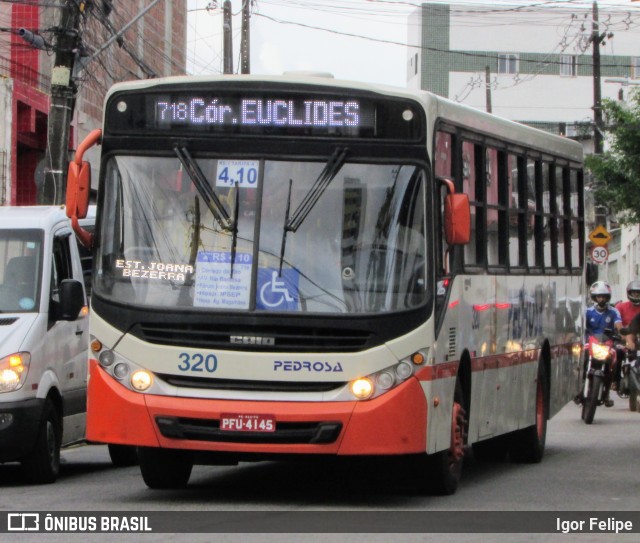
[[392, 424]]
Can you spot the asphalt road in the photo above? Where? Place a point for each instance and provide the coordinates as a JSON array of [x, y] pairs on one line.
[[586, 468]]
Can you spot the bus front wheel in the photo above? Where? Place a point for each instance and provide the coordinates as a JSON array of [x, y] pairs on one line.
[[440, 473], [165, 468]]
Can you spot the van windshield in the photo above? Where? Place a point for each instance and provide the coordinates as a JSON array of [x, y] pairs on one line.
[[20, 270]]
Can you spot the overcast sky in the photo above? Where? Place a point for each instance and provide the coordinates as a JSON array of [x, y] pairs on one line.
[[363, 40]]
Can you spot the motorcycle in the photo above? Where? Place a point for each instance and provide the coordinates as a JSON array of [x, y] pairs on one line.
[[629, 386], [601, 357]]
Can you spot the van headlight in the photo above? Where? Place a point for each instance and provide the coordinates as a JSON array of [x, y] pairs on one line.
[[13, 371]]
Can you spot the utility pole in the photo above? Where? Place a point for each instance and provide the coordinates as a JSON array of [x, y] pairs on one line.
[[596, 39], [227, 39], [244, 42], [62, 103], [487, 87]]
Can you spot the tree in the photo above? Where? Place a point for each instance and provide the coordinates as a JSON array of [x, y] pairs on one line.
[[617, 171]]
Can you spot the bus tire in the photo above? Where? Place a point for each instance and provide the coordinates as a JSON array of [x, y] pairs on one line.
[[441, 472], [527, 445], [123, 456], [165, 468], [42, 465]]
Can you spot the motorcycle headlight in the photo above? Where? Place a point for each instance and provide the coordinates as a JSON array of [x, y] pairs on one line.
[[13, 371], [599, 352]]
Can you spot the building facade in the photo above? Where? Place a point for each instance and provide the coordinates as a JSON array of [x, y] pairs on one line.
[[533, 64], [154, 46]]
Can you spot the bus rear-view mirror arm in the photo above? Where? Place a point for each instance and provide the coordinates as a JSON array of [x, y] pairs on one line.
[[79, 187]]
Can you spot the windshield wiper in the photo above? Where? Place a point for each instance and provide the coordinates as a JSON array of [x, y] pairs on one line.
[[204, 189], [234, 235], [330, 170]]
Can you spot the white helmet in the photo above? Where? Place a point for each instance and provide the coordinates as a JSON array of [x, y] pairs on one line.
[[600, 288], [633, 292]]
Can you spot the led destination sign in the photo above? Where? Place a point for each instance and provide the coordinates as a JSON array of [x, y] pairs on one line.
[[270, 112]]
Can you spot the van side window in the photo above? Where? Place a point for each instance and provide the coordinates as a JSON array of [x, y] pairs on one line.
[[61, 267]]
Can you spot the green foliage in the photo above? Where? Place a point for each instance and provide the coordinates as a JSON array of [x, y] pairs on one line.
[[617, 171]]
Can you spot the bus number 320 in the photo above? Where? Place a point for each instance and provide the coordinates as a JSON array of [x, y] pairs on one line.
[[198, 362]]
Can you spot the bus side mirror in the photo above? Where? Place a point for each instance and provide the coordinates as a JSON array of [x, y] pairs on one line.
[[79, 187], [457, 219]]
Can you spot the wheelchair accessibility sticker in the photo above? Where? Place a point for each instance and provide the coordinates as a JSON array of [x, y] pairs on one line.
[[277, 292]]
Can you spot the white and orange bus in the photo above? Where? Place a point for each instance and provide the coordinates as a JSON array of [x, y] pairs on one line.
[[303, 266]]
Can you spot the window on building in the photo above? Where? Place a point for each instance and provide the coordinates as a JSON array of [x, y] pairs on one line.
[[568, 65], [635, 67], [507, 63]]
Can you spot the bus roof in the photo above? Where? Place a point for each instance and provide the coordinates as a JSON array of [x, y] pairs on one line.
[[436, 107]]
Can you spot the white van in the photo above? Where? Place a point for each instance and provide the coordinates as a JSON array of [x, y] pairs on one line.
[[43, 339]]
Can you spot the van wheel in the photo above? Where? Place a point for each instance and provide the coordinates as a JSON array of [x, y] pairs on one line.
[[123, 456], [42, 465], [165, 468]]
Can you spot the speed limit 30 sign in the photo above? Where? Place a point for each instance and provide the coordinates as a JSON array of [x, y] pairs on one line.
[[599, 255]]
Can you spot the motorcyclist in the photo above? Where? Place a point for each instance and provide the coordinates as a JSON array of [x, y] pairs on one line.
[[628, 310], [600, 317]]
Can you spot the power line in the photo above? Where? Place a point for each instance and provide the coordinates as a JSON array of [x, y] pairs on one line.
[[407, 45]]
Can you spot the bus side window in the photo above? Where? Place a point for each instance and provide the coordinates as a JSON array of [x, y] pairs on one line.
[[443, 167]]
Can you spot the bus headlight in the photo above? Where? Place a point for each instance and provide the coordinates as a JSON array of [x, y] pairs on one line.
[[120, 370], [13, 371], [126, 372], [372, 386], [107, 358], [362, 389], [141, 380]]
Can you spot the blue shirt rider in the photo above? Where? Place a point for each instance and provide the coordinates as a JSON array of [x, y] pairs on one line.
[[600, 317]]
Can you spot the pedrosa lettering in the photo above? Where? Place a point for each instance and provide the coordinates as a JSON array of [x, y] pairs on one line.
[[296, 365]]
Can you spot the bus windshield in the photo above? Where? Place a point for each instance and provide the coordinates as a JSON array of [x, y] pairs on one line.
[[262, 235]]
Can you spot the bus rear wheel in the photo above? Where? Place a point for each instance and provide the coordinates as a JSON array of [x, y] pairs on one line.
[[165, 468], [527, 445]]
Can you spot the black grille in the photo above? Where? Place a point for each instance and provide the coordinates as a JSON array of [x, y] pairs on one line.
[[8, 321], [286, 338], [258, 386], [285, 432]]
